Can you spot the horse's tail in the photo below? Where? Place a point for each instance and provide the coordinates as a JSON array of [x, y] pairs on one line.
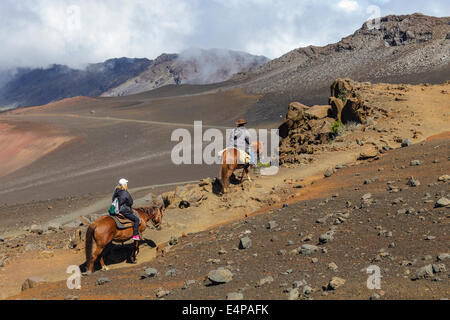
[[223, 172], [89, 240]]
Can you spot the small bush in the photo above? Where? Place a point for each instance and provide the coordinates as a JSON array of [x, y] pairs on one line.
[[263, 165], [338, 128]]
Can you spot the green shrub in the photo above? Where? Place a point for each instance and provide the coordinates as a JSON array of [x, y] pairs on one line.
[[338, 128]]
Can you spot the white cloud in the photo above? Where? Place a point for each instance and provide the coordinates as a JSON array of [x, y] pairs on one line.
[[42, 32], [348, 5]]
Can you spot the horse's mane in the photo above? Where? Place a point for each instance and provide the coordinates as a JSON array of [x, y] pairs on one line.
[[147, 210]]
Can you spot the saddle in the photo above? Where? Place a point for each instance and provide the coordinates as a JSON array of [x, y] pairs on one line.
[[244, 157], [123, 223]]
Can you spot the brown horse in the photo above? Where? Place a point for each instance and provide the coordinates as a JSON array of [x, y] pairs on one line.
[[104, 231], [230, 163]]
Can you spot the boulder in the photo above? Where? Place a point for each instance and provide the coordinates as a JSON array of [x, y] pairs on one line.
[[220, 276], [341, 88], [235, 296], [295, 111], [245, 243], [335, 283], [442, 203], [318, 112], [369, 153], [32, 283], [337, 105], [308, 249]]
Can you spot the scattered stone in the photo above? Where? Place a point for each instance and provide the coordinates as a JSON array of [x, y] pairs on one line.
[[32, 283], [367, 196], [264, 281], [298, 284], [443, 256], [412, 182], [332, 266], [171, 273], [406, 143], [442, 203], [161, 293], [149, 273], [272, 225], [327, 237], [335, 283], [368, 154], [444, 178], [245, 243], [102, 281], [219, 276], [187, 284], [307, 290], [437, 268], [375, 296], [424, 272], [329, 173], [293, 294], [415, 163], [54, 226], [37, 229], [308, 249], [235, 296]]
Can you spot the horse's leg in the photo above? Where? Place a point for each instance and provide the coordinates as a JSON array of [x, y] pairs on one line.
[[226, 181], [98, 251], [135, 252], [102, 262], [244, 172]]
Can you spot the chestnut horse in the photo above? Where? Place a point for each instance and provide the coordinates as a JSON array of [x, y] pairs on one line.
[[104, 231], [230, 163]]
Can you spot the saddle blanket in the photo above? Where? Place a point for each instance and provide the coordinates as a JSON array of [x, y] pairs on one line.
[[244, 157], [124, 223]]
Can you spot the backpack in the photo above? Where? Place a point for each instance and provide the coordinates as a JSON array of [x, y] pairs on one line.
[[114, 208]]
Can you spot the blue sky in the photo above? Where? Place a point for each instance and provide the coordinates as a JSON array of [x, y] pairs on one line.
[[41, 32]]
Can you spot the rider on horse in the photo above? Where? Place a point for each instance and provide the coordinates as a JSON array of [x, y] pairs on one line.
[[240, 139], [125, 204]]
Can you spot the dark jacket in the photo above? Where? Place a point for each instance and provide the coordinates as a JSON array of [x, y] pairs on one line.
[[125, 200]]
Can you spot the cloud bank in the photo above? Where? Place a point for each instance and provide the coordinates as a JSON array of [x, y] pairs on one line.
[[37, 33]]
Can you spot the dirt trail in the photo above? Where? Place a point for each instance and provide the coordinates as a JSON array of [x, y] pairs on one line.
[[176, 223], [409, 114]]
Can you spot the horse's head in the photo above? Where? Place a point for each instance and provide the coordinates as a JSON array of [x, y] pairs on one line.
[[153, 214]]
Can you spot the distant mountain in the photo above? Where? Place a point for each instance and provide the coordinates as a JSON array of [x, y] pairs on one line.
[[404, 49], [40, 86], [194, 66]]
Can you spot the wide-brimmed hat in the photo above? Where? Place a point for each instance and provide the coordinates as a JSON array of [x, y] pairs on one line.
[[241, 122]]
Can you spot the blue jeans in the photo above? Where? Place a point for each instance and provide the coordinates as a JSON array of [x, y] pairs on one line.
[[252, 157], [135, 220]]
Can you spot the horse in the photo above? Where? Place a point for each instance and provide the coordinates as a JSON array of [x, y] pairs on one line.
[[104, 231], [230, 163]]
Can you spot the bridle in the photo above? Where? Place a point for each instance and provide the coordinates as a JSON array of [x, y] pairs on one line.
[[151, 215]]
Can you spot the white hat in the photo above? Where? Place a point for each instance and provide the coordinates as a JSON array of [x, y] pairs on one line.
[[123, 182]]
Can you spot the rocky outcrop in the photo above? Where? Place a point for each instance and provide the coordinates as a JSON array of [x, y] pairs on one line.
[[191, 195], [306, 129]]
